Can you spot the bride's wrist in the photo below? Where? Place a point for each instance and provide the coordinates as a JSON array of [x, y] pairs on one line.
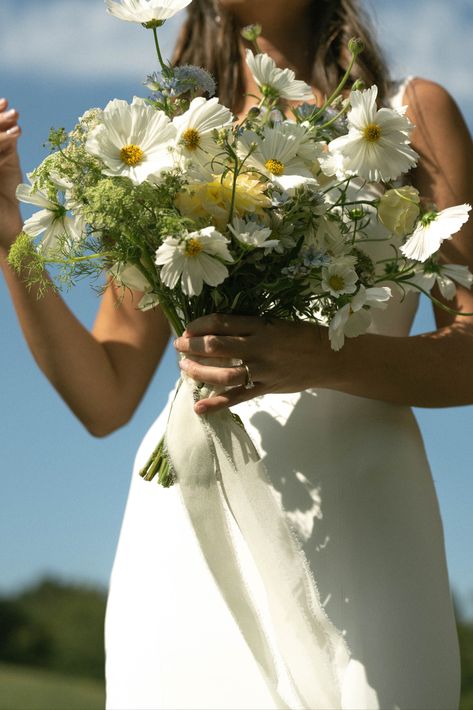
[[327, 366]]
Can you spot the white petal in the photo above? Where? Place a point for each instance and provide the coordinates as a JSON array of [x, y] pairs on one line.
[[38, 222], [25, 193], [447, 287]]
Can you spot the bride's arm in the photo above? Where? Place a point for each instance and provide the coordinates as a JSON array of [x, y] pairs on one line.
[[429, 370], [101, 375]]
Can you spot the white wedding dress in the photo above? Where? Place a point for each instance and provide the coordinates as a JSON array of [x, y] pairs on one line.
[[352, 477]]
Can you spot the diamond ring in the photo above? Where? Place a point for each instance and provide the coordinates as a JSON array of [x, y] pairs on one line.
[[249, 384]]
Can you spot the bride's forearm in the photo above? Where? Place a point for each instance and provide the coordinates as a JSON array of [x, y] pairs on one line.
[[80, 367], [429, 370]]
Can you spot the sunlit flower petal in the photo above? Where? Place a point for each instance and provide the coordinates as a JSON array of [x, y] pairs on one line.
[[376, 147], [133, 140], [194, 259], [276, 82], [144, 11], [433, 229]]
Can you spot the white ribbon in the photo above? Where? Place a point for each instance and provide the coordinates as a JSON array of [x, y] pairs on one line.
[[216, 464]]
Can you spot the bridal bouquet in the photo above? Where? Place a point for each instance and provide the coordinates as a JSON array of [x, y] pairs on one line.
[[274, 216]]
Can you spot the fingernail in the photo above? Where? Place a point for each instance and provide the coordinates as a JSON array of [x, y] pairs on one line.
[[3, 102], [10, 112], [13, 131], [200, 408], [184, 364]]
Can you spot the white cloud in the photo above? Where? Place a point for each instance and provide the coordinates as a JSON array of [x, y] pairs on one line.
[[76, 39]]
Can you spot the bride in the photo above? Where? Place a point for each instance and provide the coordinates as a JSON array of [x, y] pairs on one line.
[[344, 455]]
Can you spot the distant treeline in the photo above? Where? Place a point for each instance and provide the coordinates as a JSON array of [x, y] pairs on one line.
[[59, 626], [54, 625]]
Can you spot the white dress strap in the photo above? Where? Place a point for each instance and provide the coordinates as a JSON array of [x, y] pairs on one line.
[[395, 98]]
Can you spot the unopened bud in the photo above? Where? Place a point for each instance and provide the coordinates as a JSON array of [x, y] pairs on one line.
[[251, 32], [358, 85], [356, 46]]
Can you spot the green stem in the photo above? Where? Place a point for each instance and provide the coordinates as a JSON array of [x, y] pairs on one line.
[[436, 301], [164, 67], [328, 102], [333, 120], [77, 259]]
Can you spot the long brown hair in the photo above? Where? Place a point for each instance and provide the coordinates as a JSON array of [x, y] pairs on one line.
[[211, 38]]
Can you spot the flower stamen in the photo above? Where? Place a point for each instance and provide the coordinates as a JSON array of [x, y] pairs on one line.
[[372, 133], [131, 155], [336, 282], [191, 138], [275, 167], [193, 247]]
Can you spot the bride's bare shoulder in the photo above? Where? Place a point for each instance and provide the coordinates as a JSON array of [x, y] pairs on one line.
[[434, 112]]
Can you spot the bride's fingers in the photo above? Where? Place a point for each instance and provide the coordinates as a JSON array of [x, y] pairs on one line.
[[7, 140], [8, 119], [228, 399], [222, 324], [216, 376], [213, 346]]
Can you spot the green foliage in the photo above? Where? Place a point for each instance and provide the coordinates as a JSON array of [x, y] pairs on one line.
[[56, 626], [27, 262]]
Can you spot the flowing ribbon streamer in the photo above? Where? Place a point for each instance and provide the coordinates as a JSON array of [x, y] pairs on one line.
[[215, 461]]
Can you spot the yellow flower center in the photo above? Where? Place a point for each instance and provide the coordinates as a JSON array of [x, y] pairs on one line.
[[131, 154], [275, 167], [191, 138], [193, 247], [372, 133], [336, 282]]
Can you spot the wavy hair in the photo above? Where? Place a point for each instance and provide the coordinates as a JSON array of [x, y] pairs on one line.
[[211, 38]]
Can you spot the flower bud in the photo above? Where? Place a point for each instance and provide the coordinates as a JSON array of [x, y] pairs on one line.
[[251, 32], [358, 85], [356, 46], [356, 213], [398, 210]]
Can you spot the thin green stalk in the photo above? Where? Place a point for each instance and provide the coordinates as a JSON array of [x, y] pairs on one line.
[[164, 67], [328, 102], [333, 120], [77, 259]]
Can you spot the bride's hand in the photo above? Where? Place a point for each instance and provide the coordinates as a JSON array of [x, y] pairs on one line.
[[281, 356], [10, 175]]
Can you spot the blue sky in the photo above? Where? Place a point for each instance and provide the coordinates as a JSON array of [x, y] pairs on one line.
[[63, 492]]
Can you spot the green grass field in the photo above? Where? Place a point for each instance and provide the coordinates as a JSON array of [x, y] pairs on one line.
[[32, 689]]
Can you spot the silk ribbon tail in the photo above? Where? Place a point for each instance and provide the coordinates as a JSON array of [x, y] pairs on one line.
[[314, 651]]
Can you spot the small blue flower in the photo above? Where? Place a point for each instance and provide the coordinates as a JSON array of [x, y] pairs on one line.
[[312, 257], [181, 80]]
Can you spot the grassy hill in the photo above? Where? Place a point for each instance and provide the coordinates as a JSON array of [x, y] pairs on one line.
[[34, 689]]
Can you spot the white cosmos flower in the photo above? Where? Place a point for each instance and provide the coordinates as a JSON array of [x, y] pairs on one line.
[[376, 146], [253, 234], [194, 130], [354, 318], [52, 219], [432, 229], [194, 259], [275, 155], [133, 140], [144, 11], [338, 278], [445, 276], [308, 149], [275, 82]]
